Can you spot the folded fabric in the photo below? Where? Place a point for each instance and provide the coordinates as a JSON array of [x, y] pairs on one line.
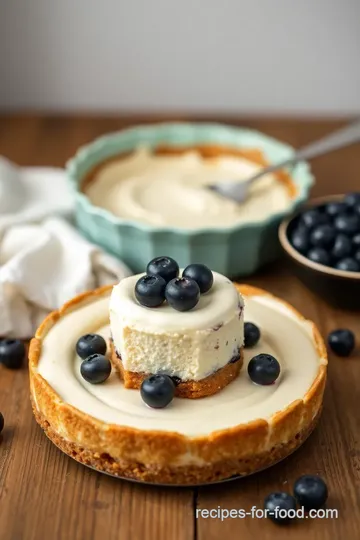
[[44, 261]]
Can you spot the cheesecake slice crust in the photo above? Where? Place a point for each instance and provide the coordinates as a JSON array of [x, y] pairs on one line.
[[184, 389]]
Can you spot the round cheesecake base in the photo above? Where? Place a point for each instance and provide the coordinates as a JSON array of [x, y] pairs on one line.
[[177, 476], [184, 389]]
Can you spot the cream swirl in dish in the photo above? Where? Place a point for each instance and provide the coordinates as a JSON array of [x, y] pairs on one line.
[[171, 189]]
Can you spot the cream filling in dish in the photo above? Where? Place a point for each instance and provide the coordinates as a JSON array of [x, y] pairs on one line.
[[284, 334], [190, 345], [171, 190]]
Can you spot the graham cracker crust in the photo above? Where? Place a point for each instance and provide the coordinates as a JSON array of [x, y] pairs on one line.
[[184, 389], [181, 475]]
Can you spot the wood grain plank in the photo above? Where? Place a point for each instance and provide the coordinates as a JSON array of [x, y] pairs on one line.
[[45, 494], [332, 451]]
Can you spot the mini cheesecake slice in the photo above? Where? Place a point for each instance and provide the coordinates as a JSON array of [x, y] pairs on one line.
[[201, 349]]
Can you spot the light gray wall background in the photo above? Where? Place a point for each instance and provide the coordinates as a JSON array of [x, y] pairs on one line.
[[236, 56]]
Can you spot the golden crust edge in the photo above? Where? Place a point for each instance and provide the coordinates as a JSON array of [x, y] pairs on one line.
[[159, 447]]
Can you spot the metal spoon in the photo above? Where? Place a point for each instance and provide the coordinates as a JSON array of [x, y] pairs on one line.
[[238, 191]]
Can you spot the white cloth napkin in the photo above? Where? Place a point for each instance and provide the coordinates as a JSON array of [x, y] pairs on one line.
[[44, 261]]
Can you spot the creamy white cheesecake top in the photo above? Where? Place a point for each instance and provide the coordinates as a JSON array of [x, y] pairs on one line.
[[190, 345], [217, 305], [285, 334], [171, 190]]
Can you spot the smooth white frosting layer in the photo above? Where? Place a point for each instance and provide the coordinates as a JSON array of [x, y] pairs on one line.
[[190, 345], [169, 190], [284, 335]]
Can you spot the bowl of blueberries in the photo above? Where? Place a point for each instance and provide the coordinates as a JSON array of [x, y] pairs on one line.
[[323, 243]]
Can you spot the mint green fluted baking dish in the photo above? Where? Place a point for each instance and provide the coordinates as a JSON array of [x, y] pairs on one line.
[[234, 251]]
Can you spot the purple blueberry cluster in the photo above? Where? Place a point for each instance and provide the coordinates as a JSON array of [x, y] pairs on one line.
[[95, 367], [162, 282], [310, 493], [329, 234]]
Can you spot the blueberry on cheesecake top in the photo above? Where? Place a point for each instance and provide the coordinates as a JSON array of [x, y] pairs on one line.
[[162, 283]]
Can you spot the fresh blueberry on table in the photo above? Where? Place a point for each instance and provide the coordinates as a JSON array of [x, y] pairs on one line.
[[357, 257], [348, 265], [319, 255], [251, 334], [164, 267], [263, 369], [182, 293], [12, 353], [157, 391], [334, 208], [347, 223], [342, 342], [1, 422], [90, 344], [278, 505], [313, 218], [342, 247], [201, 274], [322, 236], [356, 241], [310, 491], [352, 199], [300, 240], [150, 290], [95, 369]]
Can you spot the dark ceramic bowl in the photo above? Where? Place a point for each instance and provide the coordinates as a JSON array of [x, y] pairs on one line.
[[339, 288]]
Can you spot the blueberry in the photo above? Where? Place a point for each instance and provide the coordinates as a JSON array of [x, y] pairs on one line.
[[182, 293], [357, 209], [357, 256], [313, 218], [90, 344], [164, 267], [347, 223], [342, 247], [12, 353], [278, 505], [322, 236], [263, 369], [319, 255], [356, 241], [335, 208], [251, 334], [157, 391], [352, 199], [1, 422], [300, 240], [201, 274], [150, 291], [342, 342], [95, 369], [347, 265], [310, 491]]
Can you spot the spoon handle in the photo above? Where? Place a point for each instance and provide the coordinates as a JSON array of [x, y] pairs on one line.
[[346, 136]]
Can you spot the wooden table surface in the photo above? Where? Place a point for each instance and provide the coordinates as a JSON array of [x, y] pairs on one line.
[[46, 495]]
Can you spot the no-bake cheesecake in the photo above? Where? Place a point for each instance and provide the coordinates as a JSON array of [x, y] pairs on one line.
[[237, 431], [200, 348]]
